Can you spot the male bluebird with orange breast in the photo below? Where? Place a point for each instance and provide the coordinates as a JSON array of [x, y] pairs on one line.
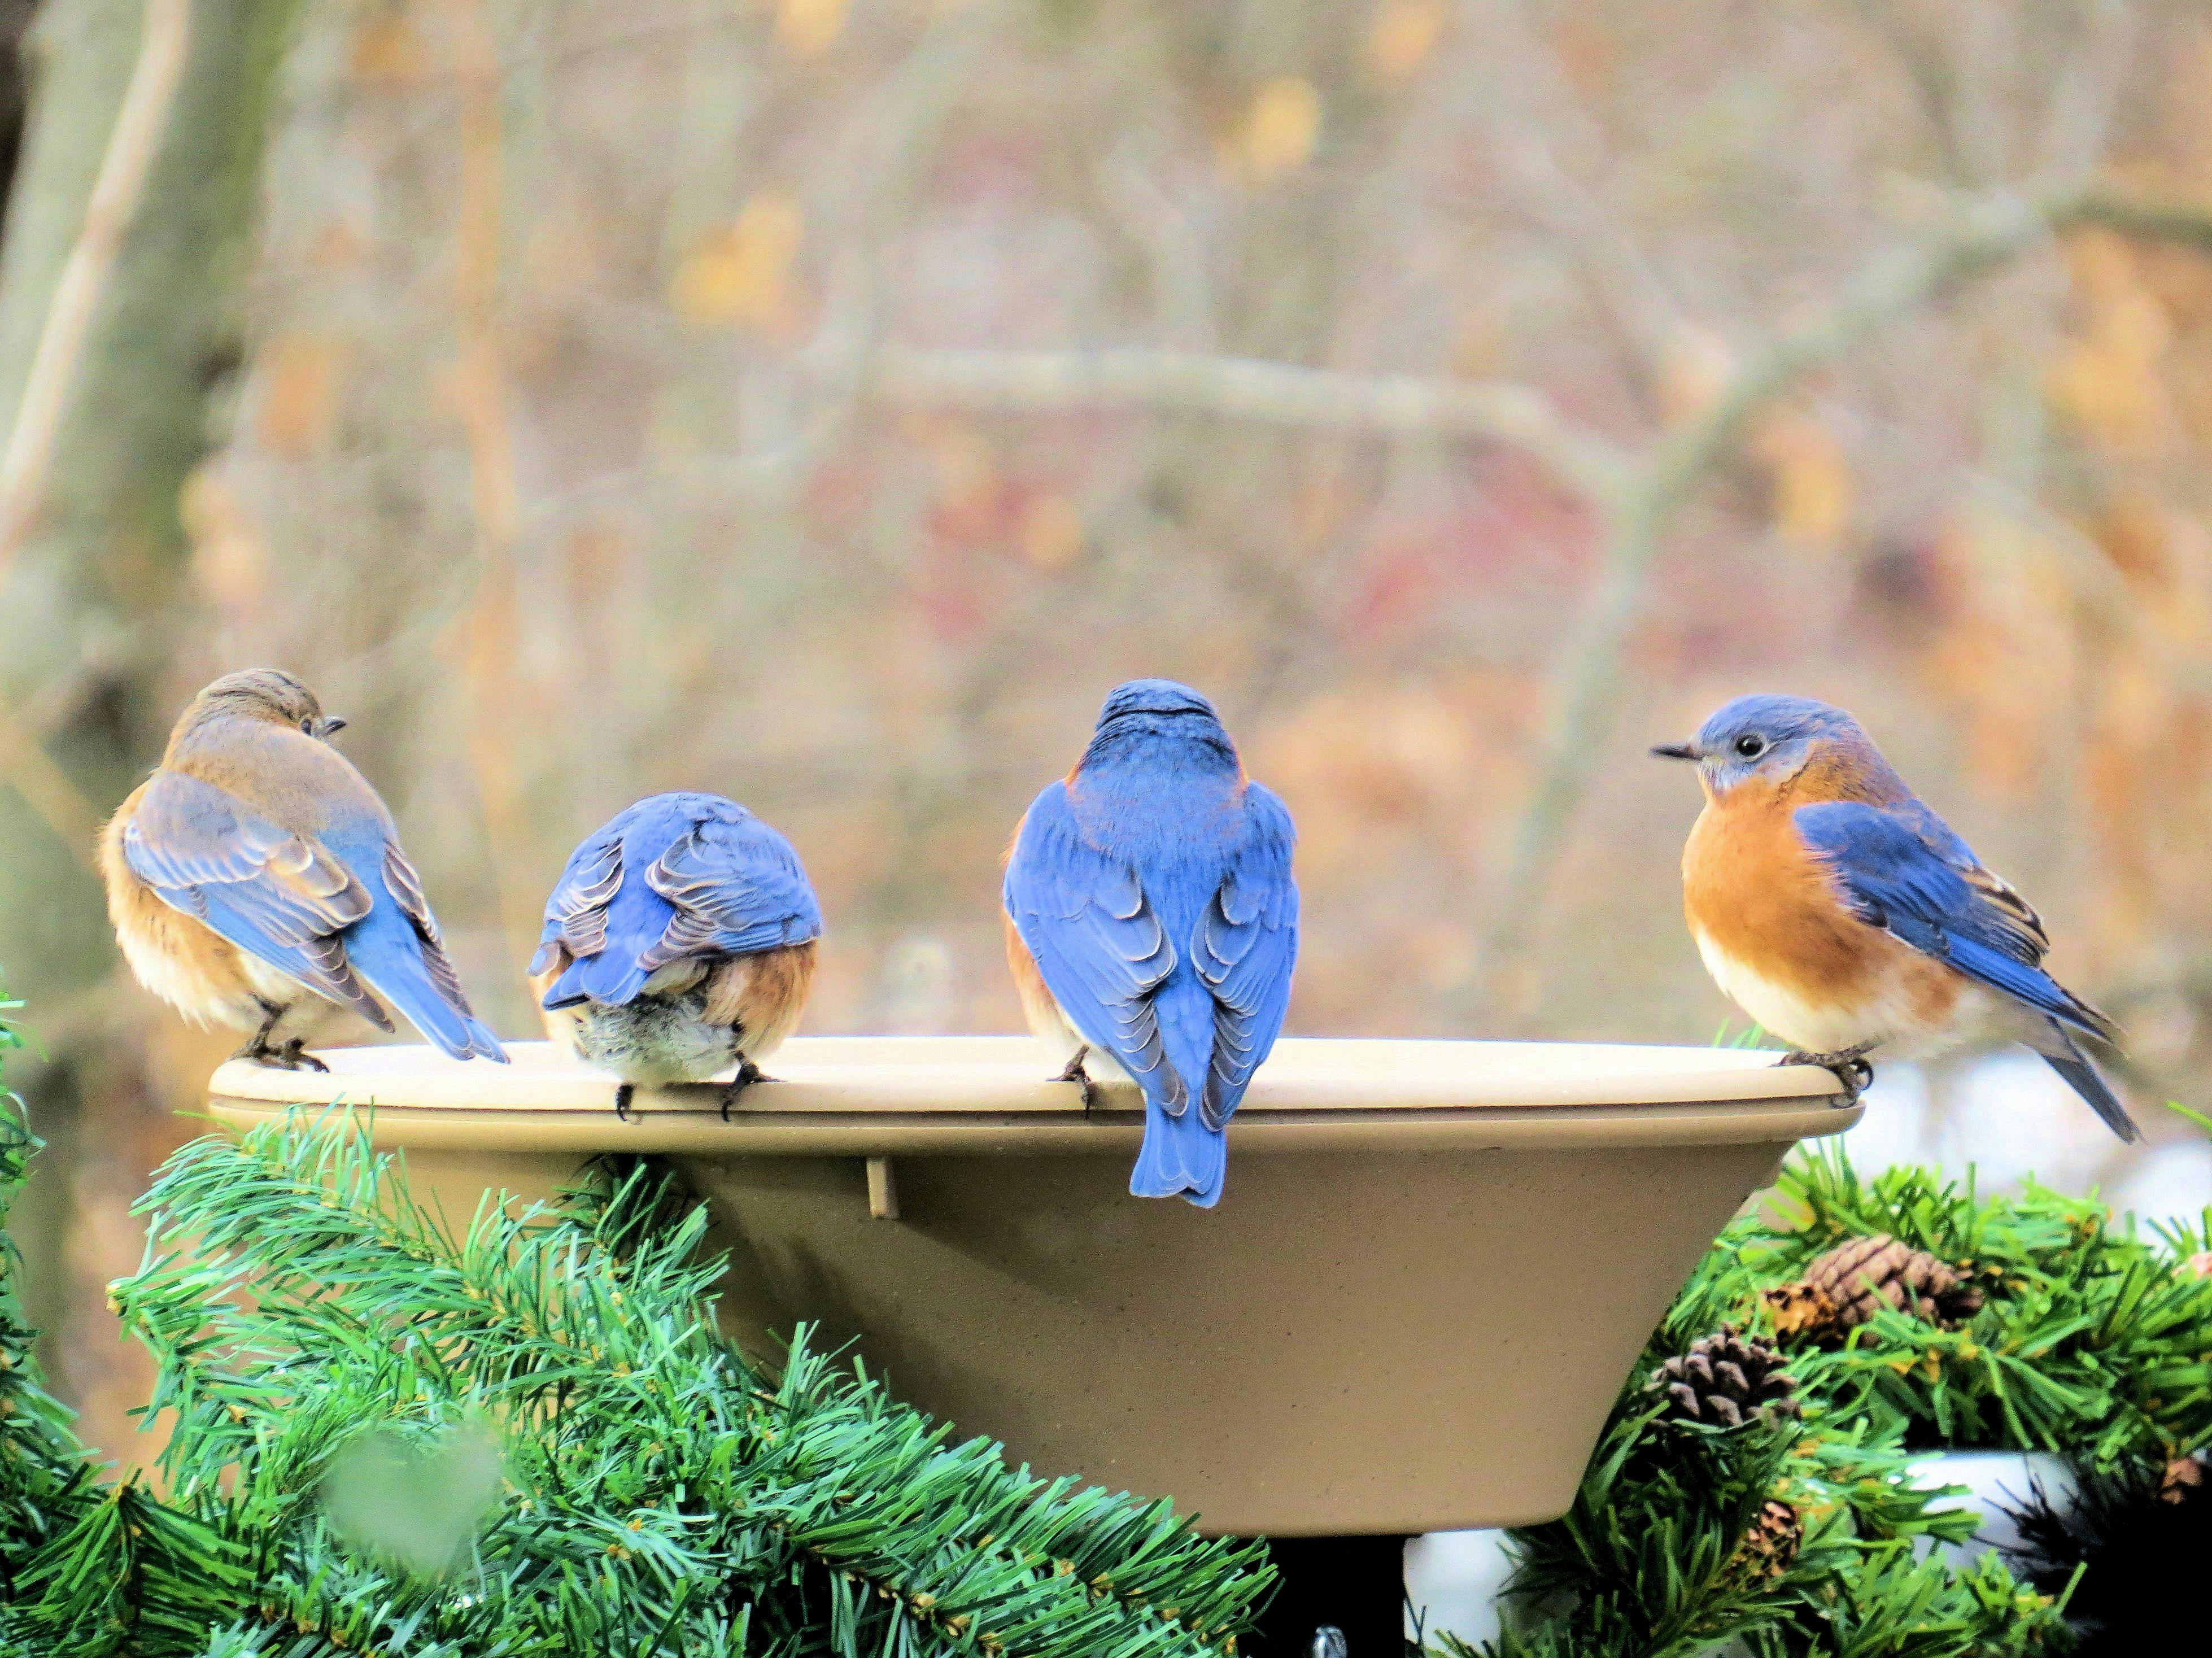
[[1840, 912], [678, 941], [1151, 924], [256, 880]]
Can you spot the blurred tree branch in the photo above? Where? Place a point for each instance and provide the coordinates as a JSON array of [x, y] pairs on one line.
[[1243, 388]]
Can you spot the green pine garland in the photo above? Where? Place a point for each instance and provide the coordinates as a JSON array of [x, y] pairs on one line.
[[659, 1493], [48, 1492], [2092, 1341]]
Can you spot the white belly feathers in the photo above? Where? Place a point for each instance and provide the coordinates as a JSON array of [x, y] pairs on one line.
[[1826, 1025]]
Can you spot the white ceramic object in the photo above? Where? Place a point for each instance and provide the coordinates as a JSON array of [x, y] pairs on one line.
[[1453, 1580], [1997, 1483]]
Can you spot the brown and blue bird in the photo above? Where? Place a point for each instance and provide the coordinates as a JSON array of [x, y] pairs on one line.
[[678, 944], [1836, 908], [1152, 923], [256, 880]]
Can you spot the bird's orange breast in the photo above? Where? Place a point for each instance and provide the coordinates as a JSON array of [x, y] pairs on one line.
[[1751, 886], [1773, 927]]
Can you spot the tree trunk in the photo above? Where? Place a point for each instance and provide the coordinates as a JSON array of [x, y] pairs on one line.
[[97, 590]]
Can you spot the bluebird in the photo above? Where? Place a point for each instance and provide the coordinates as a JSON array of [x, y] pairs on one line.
[[1841, 914], [256, 880], [1151, 924], [679, 941]]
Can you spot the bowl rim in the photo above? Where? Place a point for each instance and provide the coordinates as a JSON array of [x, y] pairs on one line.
[[863, 1096]]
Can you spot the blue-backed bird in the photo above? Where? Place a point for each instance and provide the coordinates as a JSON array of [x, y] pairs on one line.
[[1153, 922], [678, 942], [256, 880], [1833, 906]]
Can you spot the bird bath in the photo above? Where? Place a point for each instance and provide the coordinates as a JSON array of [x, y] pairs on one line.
[[1434, 1264]]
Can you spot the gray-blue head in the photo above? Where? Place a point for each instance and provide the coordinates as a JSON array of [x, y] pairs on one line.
[[1773, 738], [1142, 708]]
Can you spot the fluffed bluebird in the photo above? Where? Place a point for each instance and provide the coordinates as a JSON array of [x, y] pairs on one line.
[[255, 879], [1841, 914], [1153, 921], [678, 941]]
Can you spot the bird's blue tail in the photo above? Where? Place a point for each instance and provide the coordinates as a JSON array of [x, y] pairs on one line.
[[1182, 1156], [385, 951], [2070, 1062], [612, 979]]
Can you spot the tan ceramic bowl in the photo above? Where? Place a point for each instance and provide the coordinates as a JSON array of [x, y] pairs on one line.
[[1434, 1264]]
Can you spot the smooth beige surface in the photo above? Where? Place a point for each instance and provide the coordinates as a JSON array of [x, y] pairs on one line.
[[1434, 1264]]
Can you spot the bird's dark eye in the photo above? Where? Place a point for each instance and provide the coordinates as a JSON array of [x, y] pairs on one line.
[[1751, 746], [308, 727]]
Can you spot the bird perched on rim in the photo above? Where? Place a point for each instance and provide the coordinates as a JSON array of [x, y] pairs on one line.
[[256, 880], [1151, 924], [1841, 914], [678, 941]]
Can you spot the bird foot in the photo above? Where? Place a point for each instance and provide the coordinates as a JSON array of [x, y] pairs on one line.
[[296, 1057], [1849, 1066], [283, 1056], [624, 1093], [1076, 1073], [748, 1074]]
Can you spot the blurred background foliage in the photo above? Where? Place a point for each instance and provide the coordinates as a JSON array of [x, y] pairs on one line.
[[824, 401]]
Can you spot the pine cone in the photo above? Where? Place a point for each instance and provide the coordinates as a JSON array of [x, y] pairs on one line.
[[1725, 1379], [1847, 1286], [1769, 1544], [2181, 1481]]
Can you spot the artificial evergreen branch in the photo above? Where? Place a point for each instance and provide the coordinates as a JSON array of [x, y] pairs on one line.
[[2027, 1323], [655, 1479]]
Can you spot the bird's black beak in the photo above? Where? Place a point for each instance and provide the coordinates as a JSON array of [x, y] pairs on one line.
[[1676, 751], [332, 725]]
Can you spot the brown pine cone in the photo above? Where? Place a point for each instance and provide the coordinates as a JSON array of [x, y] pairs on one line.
[[1769, 1544], [1844, 1287], [1724, 1380], [2181, 1481]]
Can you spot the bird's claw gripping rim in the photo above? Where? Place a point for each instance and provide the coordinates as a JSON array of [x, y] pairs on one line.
[[284, 1056], [1076, 1073], [1851, 1067], [748, 1074]]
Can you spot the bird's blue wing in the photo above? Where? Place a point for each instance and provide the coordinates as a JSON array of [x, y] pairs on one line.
[[737, 887], [1891, 878], [1244, 947], [576, 909], [280, 896], [399, 962], [1096, 940]]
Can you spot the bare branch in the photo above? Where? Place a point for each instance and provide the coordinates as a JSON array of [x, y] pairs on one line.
[[1244, 388], [48, 790]]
